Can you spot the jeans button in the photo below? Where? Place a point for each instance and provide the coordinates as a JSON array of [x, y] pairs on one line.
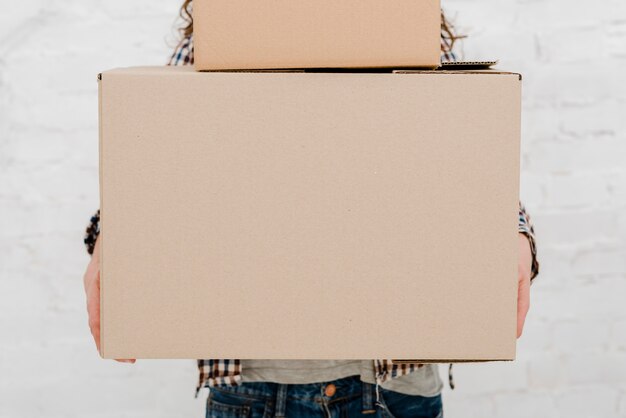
[[330, 390]]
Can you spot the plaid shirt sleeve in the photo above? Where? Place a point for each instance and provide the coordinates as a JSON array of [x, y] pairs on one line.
[[183, 54], [527, 228], [91, 232]]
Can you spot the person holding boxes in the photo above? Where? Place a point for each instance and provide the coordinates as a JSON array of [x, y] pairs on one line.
[[317, 388]]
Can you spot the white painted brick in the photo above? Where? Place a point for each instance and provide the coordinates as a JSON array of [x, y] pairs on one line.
[[540, 118], [588, 402], [481, 379], [589, 336], [571, 356], [582, 226], [567, 156], [538, 335], [601, 261], [622, 405], [618, 334], [586, 189], [27, 12], [474, 406], [525, 405], [607, 368], [575, 299], [546, 372], [599, 120], [576, 45], [555, 268], [559, 14], [616, 36], [617, 188], [532, 189], [600, 299]]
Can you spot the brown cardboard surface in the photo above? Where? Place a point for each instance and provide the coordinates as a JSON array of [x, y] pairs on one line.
[[309, 215], [238, 34]]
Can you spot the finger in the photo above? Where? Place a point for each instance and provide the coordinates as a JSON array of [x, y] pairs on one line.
[[93, 312], [129, 361], [88, 277], [523, 304], [95, 333]]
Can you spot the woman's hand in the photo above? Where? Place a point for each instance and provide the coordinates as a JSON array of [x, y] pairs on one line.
[[91, 280], [523, 282]]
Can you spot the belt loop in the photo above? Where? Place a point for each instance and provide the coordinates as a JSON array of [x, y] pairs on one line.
[[368, 398], [281, 400]]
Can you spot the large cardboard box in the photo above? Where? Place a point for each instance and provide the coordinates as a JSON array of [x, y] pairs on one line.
[[289, 215], [240, 34]]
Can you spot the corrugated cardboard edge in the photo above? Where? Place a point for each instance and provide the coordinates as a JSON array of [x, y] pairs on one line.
[[456, 71], [101, 200], [470, 65], [394, 70], [437, 361], [315, 69]]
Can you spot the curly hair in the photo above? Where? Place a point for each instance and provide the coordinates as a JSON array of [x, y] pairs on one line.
[[187, 16]]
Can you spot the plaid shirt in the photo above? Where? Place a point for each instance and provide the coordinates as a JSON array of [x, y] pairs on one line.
[[215, 372]]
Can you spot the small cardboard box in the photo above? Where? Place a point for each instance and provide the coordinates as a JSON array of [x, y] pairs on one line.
[[290, 215], [268, 34]]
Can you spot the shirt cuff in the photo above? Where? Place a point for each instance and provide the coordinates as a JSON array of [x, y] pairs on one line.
[[91, 232], [527, 228]]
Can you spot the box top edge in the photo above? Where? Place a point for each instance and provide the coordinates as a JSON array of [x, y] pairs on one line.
[[164, 69]]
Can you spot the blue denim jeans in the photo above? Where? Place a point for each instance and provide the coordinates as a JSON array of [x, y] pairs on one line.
[[342, 398]]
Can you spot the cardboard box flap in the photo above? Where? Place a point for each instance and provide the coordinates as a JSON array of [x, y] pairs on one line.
[[468, 64], [458, 71]]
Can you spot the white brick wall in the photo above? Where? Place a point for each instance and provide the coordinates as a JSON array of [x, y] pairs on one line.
[[572, 358]]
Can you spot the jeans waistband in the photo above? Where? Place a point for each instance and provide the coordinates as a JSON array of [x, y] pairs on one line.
[[347, 386], [324, 393]]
